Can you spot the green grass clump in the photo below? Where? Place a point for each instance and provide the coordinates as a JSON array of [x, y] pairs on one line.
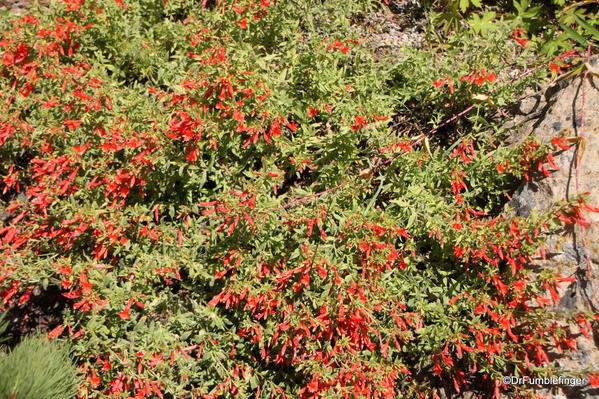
[[38, 369]]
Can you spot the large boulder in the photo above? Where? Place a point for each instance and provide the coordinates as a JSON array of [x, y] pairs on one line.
[[569, 108]]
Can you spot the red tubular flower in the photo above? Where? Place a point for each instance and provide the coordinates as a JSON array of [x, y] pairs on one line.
[[518, 37], [124, 314], [439, 83], [570, 53], [192, 156], [56, 332], [380, 118], [491, 77], [360, 123], [560, 142], [554, 67], [72, 124]]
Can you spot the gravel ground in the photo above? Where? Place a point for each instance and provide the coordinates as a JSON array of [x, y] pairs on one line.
[[401, 24]]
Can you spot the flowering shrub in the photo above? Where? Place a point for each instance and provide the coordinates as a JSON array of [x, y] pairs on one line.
[[182, 172]]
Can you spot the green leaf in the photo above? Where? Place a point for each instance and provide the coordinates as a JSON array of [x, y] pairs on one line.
[[464, 5], [575, 36], [411, 219], [483, 25], [594, 32]]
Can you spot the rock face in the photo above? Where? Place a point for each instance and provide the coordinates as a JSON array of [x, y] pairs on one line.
[[569, 109], [19, 6], [14, 5]]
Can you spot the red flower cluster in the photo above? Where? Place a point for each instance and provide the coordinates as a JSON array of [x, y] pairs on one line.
[[518, 35], [114, 190], [479, 78], [340, 46], [442, 82]]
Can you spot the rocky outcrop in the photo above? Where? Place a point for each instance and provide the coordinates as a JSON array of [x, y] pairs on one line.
[[569, 108], [14, 5], [19, 6]]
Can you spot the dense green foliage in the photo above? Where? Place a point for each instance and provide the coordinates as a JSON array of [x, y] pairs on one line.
[[3, 328], [238, 200]]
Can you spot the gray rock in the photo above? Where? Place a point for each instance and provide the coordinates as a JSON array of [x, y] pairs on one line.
[[556, 111], [19, 6]]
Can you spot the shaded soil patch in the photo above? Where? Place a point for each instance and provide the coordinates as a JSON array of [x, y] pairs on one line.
[[42, 312]]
